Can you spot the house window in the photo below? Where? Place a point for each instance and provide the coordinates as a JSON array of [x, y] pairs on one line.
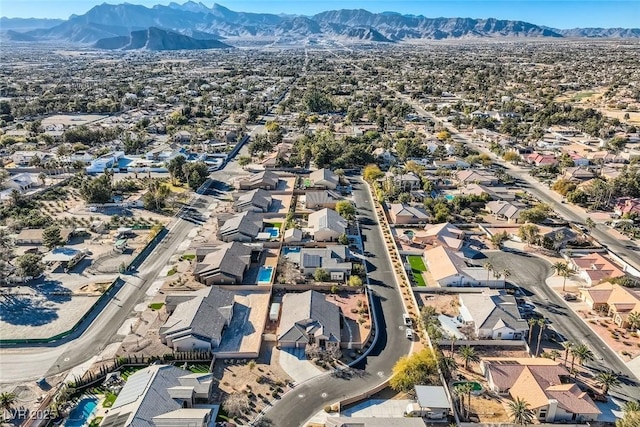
[[543, 414], [499, 334]]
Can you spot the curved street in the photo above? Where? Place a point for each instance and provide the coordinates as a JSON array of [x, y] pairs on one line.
[[309, 398]]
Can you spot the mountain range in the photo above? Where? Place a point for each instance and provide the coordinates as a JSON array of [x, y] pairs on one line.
[[128, 25]]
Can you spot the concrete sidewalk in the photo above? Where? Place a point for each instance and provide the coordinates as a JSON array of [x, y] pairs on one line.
[[294, 362]]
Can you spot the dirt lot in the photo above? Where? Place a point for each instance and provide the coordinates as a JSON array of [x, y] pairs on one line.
[[444, 304], [489, 409], [353, 331]]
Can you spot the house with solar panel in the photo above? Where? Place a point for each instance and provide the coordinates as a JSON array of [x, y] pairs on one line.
[[163, 396]]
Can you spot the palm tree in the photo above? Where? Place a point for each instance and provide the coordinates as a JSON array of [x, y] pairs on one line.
[[633, 320], [631, 406], [468, 354], [489, 267], [554, 354], [606, 380], [562, 269], [7, 400], [532, 323], [567, 345], [448, 364], [505, 273], [520, 412], [590, 223], [460, 390], [581, 352], [541, 324]]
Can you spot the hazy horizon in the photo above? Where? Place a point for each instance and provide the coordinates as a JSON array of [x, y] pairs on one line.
[[558, 14]]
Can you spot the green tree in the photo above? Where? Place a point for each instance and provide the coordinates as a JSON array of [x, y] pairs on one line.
[[532, 323], [529, 233], [97, 190], [633, 320], [198, 174], [346, 209], [631, 416], [343, 239], [468, 355], [511, 156], [372, 173], [581, 352], [606, 380], [321, 275], [51, 237], [244, 161], [418, 368], [498, 239], [30, 265], [355, 281], [520, 413], [174, 166], [7, 400]]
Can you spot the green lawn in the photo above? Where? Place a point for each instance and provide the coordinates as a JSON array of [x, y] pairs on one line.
[[109, 399], [189, 257], [582, 95], [417, 267], [129, 371], [156, 305], [95, 422], [199, 368], [172, 271], [277, 225]]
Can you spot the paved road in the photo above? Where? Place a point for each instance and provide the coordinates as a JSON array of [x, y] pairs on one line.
[[530, 273], [309, 398]]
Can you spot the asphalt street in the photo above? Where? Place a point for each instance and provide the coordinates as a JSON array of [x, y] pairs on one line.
[[307, 399]]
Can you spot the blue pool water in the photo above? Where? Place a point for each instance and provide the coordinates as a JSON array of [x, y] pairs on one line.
[[273, 231], [449, 197], [82, 412], [290, 250], [264, 274]]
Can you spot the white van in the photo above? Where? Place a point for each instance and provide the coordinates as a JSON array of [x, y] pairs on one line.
[[409, 334], [406, 319]]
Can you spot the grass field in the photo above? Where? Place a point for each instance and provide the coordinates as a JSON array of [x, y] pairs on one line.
[[417, 268], [156, 305]]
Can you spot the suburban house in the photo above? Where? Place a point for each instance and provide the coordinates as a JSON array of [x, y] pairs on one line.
[[226, 264], [321, 199], [577, 174], [65, 255], [595, 268], [544, 384], [107, 161], [21, 182], [431, 403], [505, 210], [558, 236], [495, 193], [326, 225], [163, 153], [293, 235], [401, 213], [451, 164], [493, 315], [444, 234], [447, 268], [324, 178], [242, 227], [407, 181], [615, 300], [476, 176], [333, 259], [33, 236], [308, 318], [197, 320], [538, 159], [267, 180], [627, 206], [24, 158], [163, 396], [182, 136], [257, 200]]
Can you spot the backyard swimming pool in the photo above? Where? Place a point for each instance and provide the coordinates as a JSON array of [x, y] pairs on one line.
[[81, 414], [273, 231], [290, 250], [265, 274], [449, 197]]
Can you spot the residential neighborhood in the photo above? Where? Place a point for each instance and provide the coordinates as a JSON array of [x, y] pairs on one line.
[[320, 232]]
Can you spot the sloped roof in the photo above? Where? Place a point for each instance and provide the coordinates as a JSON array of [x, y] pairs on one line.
[[321, 197], [492, 310], [327, 219], [308, 314], [324, 174], [443, 262], [204, 316], [598, 267], [258, 197], [245, 223], [231, 258]]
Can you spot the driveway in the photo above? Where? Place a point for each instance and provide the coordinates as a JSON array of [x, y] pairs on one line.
[[296, 365]]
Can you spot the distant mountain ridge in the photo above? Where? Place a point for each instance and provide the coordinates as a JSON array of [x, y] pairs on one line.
[[158, 39], [201, 22]]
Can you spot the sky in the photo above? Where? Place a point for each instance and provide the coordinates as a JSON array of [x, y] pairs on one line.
[[552, 13]]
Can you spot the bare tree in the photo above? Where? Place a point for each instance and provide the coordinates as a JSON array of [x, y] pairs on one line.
[[236, 404]]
